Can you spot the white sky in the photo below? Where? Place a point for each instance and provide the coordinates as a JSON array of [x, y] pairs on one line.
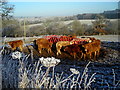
[[63, 0]]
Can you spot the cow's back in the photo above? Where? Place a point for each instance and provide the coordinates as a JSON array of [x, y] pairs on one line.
[[16, 44], [43, 43]]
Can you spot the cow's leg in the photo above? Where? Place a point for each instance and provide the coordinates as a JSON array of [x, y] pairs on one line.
[[49, 50], [21, 48], [13, 48], [95, 54], [57, 53], [82, 55], [39, 49], [74, 54], [98, 53], [58, 50], [90, 54]]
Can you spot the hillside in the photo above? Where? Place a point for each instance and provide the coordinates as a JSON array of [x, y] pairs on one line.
[[88, 22]]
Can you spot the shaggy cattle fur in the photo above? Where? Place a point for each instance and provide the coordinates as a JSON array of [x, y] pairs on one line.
[[73, 49], [43, 43], [60, 44], [16, 44], [93, 47]]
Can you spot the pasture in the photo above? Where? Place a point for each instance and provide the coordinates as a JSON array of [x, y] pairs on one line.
[[105, 69]]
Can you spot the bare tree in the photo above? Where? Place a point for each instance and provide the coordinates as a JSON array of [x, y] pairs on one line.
[[99, 24], [6, 9], [76, 27]]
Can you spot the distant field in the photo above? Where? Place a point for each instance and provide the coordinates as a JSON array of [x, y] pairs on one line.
[[89, 22]]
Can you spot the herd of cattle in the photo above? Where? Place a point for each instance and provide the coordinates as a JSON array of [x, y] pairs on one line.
[[86, 47]]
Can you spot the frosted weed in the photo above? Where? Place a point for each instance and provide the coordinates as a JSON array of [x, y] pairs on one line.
[[49, 62], [16, 55], [74, 71]]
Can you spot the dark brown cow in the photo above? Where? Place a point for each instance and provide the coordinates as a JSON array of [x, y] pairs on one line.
[[73, 50]]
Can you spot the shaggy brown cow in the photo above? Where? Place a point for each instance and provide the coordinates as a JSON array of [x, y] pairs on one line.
[[73, 50], [43, 43], [60, 44], [97, 44], [16, 44], [93, 47]]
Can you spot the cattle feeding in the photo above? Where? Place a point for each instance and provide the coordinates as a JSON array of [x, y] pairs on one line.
[[81, 40], [74, 49], [43, 43], [84, 47], [60, 44], [93, 47], [65, 38]]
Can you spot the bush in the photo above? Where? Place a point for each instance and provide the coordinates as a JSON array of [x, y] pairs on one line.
[[112, 28], [77, 27], [12, 28]]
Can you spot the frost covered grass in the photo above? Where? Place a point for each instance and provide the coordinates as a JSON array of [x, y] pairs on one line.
[[19, 72], [114, 84]]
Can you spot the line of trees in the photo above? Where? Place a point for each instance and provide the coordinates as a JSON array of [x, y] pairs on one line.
[[50, 27], [113, 14]]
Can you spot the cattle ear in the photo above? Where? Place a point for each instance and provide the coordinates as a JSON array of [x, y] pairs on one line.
[[90, 41], [82, 45], [34, 41], [86, 50], [8, 43], [71, 43]]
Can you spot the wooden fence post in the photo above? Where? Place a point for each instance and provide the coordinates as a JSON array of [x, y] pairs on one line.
[[24, 30]]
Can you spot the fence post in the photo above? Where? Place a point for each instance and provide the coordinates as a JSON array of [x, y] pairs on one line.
[[24, 30]]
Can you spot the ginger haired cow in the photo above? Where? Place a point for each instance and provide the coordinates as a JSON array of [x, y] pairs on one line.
[[43, 43], [93, 47], [16, 44], [60, 44]]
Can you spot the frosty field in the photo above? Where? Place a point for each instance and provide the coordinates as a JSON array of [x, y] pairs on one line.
[[105, 70]]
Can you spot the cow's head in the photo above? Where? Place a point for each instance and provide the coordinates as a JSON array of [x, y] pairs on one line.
[[51, 44], [83, 48]]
